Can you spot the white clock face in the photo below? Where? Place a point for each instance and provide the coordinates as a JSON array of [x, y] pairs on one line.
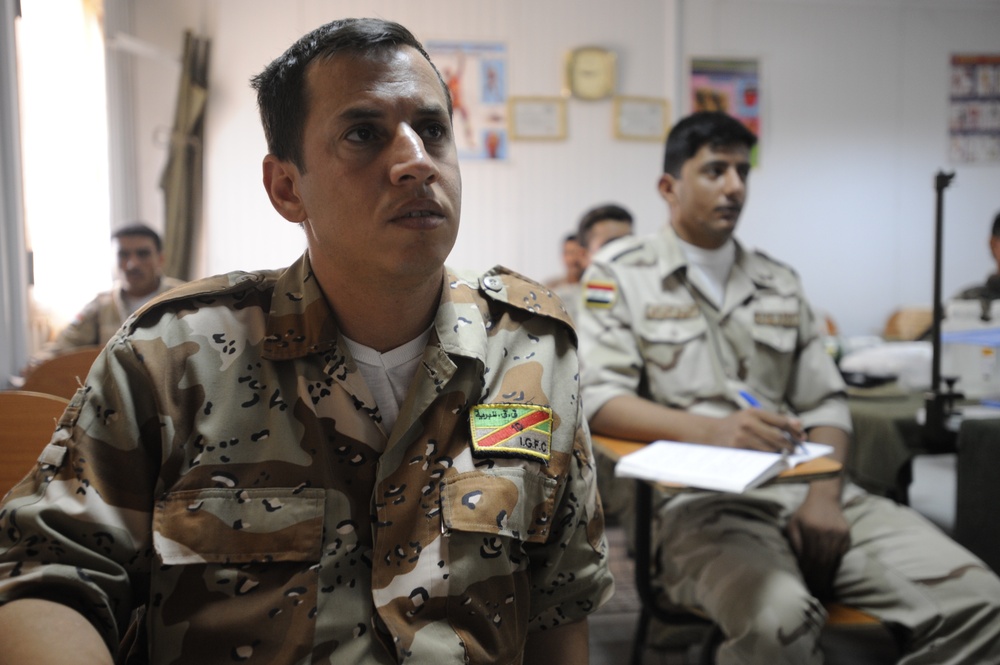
[[591, 73]]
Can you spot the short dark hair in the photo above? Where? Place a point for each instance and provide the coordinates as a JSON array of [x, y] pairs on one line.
[[996, 225], [139, 229], [599, 214], [712, 128], [281, 90]]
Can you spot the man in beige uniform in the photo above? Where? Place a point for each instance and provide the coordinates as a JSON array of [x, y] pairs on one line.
[[140, 258], [682, 333], [363, 458]]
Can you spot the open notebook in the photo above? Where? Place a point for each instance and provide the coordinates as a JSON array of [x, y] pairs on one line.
[[711, 467]]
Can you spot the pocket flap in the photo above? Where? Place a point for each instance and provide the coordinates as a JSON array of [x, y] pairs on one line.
[[239, 525], [511, 502]]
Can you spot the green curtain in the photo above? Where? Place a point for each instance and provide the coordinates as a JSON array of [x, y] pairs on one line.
[[181, 181]]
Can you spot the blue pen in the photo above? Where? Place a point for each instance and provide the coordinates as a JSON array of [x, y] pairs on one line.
[[755, 403]]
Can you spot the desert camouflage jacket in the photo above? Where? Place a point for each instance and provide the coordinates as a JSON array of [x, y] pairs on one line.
[[97, 322], [218, 479], [646, 329]]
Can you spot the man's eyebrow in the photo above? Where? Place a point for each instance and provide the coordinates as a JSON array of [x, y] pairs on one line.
[[372, 113]]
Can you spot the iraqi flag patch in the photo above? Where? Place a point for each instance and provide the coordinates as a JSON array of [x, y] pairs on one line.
[[600, 294], [511, 430]]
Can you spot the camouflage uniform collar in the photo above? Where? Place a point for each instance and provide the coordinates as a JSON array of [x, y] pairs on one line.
[[462, 319], [300, 321]]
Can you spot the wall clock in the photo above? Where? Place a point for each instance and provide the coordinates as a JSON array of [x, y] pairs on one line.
[[590, 72]]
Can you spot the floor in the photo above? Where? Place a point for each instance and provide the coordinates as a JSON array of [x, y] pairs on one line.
[[612, 627]]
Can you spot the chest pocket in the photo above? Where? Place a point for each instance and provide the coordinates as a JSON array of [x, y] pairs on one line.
[[493, 519], [231, 558], [775, 332], [664, 342]]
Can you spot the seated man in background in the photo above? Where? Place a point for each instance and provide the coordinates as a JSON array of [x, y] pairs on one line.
[[361, 458], [686, 324], [567, 287], [140, 257], [991, 289], [601, 225]]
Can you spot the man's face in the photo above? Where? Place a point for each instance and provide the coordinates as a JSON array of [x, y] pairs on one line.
[[573, 259], [706, 200], [139, 263], [605, 231], [380, 193]]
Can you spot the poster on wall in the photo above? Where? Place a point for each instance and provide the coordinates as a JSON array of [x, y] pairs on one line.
[[974, 109], [476, 75], [730, 85]]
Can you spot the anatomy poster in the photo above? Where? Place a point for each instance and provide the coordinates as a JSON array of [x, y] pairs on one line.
[[476, 75], [974, 109], [729, 85]]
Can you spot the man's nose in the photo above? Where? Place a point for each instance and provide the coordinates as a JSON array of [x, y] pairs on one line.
[[734, 183], [410, 160]]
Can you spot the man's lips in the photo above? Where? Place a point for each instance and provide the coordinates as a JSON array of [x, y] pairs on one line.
[[729, 212], [423, 215]]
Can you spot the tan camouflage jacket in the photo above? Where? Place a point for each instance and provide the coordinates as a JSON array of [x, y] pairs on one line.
[[646, 330], [219, 471], [96, 323]]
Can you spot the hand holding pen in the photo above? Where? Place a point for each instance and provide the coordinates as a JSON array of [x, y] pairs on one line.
[[775, 431]]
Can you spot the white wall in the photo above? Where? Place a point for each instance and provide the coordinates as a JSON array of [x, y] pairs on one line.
[[855, 127]]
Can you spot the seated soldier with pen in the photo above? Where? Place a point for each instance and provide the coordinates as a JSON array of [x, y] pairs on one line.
[[675, 327]]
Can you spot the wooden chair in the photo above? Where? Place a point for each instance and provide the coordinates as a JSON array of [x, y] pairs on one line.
[[63, 374], [27, 421]]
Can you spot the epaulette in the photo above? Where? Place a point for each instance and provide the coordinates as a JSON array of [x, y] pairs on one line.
[[771, 273], [501, 284], [203, 291], [632, 250], [773, 261]]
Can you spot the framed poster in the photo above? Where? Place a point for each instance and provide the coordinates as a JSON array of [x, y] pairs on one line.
[[641, 118], [731, 85], [537, 118], [476, 76], [974, 109]]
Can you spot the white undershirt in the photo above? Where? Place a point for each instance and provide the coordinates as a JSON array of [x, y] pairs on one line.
[[709, 268], [389, 374]]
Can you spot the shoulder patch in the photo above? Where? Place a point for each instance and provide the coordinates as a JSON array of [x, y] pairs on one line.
[[600, 294], [511, 430]]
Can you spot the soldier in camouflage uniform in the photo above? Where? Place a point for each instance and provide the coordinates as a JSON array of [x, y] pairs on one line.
[[676, 326], [233, 486], [139, 251]]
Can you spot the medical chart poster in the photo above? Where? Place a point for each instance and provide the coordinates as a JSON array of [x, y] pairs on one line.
[[476, 76], [730, 85], [974, 109]]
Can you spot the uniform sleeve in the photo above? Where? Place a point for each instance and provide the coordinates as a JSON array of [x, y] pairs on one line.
[[816, 391], [610, 359], [77, 531]]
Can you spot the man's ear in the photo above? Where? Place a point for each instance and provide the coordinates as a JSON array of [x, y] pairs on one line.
[[667, 187], [281, 180]]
